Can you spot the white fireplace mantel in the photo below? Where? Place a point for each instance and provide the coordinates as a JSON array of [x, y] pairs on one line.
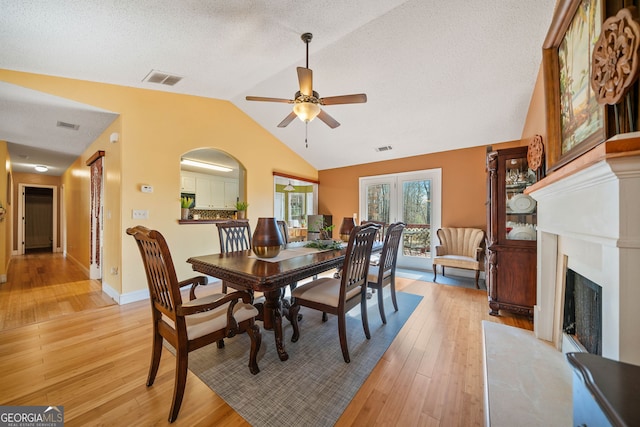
[[589, 221]]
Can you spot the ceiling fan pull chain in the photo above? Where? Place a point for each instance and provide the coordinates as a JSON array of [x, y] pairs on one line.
[[306, 129]]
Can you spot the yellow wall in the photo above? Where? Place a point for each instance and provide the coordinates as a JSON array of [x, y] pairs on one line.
[[76, 183], [155, 129]]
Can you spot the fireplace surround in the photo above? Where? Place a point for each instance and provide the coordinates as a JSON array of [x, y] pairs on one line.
[[589, 222]]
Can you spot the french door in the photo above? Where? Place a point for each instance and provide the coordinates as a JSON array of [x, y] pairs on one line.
[[413, 198]]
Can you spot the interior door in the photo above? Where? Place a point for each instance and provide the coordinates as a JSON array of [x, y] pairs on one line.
[[413, 198], [25, 215]]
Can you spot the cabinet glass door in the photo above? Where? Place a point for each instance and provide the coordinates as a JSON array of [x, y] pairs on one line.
[[520, 207]]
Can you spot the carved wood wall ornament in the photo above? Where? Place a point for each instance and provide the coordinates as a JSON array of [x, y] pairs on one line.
[[615, 57], [535, 153]]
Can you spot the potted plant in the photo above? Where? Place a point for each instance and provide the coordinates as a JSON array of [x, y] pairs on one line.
[[325, 231], [241, 208], [185, 204]]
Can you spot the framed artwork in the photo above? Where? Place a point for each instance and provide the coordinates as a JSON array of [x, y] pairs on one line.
[[575, 121]]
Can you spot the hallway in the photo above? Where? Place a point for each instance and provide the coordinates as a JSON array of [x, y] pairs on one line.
[[43, 286]]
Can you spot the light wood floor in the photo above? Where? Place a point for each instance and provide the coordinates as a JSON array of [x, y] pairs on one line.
[[62, 342]]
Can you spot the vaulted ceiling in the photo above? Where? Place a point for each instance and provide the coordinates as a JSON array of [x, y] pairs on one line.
[[438, 75]]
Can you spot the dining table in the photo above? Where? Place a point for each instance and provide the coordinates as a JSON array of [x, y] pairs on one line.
[[245, 271]]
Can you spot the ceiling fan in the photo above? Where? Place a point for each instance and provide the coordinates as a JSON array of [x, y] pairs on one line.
[[306, 102]]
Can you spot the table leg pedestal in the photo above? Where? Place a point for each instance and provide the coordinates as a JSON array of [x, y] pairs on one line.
[[273, 319]]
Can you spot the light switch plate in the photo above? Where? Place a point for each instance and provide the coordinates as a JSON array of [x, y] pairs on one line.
[[146, 189], [140, 214]]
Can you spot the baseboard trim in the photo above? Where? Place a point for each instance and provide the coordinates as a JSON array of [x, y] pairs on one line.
[[78, 263]]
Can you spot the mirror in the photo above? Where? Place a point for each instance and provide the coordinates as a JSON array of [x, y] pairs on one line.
[[214, 181]]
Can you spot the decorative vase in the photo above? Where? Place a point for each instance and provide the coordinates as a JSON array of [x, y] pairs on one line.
[[345, 228], [241, 214], [266, 240], [184, 213]]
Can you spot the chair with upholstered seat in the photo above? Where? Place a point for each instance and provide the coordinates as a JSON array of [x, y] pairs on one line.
[[284, 230], [190, 325], [234, 236], [339, 295], [381, 232], [460, 248], [384, 273]]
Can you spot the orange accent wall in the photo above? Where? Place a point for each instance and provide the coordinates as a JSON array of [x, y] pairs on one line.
[[464, 191], [463, 184], [536, 122]]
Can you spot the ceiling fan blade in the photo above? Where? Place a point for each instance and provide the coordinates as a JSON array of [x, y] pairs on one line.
[[287, 120], [344, 99], [305, 78], [262, 98], [330, 121]]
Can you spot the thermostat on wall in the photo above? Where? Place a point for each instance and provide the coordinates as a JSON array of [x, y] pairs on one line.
[[146, 189]]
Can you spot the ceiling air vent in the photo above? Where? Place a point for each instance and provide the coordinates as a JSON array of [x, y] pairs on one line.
[[384, 148], [162, 78], [67, 125]]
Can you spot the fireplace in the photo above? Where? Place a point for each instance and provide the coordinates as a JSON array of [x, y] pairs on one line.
[[589, 224], [582, 315]]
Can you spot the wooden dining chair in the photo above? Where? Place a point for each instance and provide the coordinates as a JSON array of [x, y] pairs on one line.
[[381, 232], [339, 295], [234, 236], [384, 273], [284, 230], [190, 325]]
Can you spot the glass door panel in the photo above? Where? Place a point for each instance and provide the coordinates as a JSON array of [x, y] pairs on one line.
[[520, 208], [413, 198], [416, 207], [378, 202]]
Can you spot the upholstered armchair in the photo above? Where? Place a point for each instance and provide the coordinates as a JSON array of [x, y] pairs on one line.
[[460, 248]]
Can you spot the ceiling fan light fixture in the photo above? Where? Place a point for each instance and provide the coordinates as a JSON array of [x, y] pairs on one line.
[[306, 111]]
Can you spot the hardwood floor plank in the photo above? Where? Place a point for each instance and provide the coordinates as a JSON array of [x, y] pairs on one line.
[[80, 350], [398, 392], [414, 401]]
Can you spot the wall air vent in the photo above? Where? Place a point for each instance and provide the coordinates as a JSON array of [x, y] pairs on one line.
[[384, 148], [67, 125], [162, 78]]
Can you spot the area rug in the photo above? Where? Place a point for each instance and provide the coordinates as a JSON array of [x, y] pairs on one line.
[[427, 276], [315, 385]]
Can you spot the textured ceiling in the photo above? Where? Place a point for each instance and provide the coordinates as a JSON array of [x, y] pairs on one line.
[[438, 75]]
